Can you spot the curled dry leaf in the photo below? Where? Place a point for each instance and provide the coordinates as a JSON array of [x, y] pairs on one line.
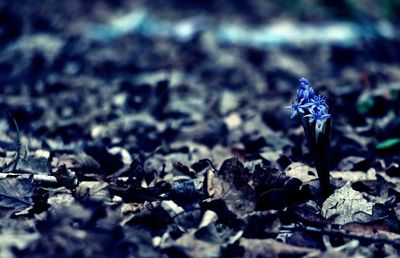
[[80, 163], [95, 191]]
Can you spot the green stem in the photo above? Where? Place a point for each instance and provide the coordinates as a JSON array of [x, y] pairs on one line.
[[319, 144]]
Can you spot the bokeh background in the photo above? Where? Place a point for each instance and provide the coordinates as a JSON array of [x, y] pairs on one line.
[[70, 70]]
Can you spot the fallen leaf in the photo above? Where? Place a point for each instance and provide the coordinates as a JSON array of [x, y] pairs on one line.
[[189, 246], [16, 194], [301, 171], [272, 248], [231, 185], [344, 203], [95, 191]]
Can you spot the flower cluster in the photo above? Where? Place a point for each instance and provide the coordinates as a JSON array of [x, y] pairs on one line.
[[312, 111], [308, 104]]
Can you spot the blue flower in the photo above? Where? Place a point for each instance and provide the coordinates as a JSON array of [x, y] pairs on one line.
[[304, 91], [296, 107], [317, 103], [319, 116]]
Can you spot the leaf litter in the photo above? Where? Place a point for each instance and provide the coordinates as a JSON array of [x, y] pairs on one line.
[[164, 139]]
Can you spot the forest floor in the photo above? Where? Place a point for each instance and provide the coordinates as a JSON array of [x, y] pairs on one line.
[[140, 129]]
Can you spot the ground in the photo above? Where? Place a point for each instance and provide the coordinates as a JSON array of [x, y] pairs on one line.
[[159, 129]]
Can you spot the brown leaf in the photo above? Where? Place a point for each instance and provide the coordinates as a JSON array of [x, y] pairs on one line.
[[232, 186], [189, 246], [82, 163], [272, 248]]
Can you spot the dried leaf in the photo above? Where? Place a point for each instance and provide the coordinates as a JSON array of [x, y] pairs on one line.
[[16, 194], [272, 248], [344, 203], [301, 171], [189, 246], [32, 165], [239, 197], [95, 191], [81, 163]]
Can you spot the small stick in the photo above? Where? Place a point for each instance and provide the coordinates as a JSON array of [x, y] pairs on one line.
[[18, 144], [339, 233], [211, 164], [42, 179]]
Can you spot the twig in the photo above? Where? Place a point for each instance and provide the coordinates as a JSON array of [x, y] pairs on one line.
[[18, 143], [211, 164], [42, 179], [340, 233]]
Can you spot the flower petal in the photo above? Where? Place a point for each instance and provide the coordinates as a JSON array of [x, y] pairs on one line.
[[325, 116], [307, 105]]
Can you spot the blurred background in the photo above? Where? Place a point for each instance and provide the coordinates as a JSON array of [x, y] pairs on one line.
[[146, 73]]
